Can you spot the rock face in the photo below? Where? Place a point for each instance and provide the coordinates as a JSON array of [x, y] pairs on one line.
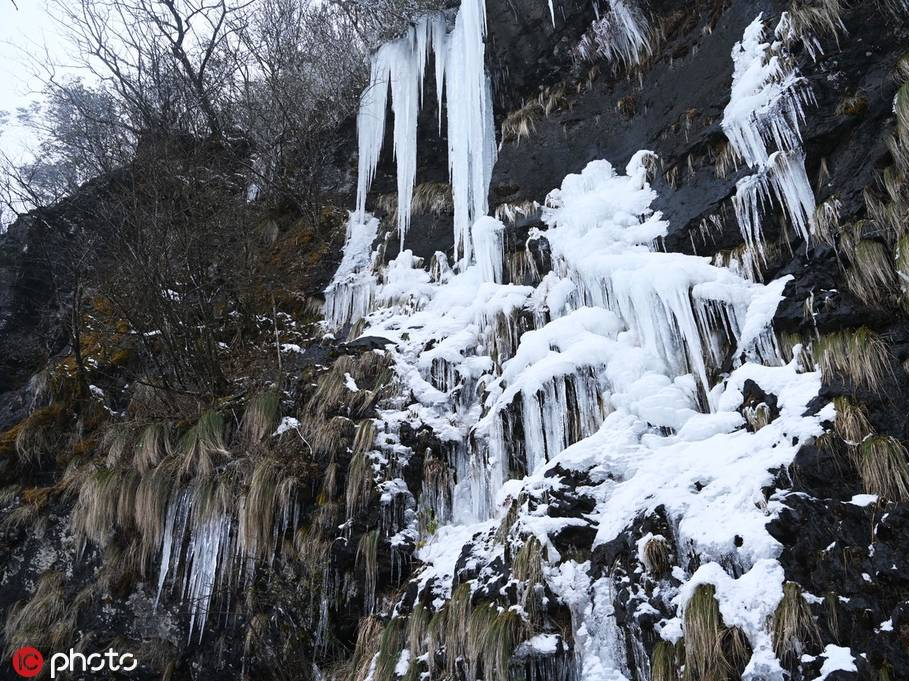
[[342, 587]]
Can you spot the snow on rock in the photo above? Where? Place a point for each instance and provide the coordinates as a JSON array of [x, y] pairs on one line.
[[836, 658], [612, 381]]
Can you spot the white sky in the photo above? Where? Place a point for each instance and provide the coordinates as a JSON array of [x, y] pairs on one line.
[[25, 34]]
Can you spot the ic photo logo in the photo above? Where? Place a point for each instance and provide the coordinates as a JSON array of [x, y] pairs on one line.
[[28, 662]]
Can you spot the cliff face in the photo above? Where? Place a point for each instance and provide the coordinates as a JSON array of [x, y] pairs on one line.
[[360, 530]]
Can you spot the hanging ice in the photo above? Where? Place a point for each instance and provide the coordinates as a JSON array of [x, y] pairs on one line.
[[620, 34], [762, 123], [488, 242], [399, 65], [460, 72]]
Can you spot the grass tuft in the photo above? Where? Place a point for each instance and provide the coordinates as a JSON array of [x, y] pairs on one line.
[[852, 423], [881, 463], [203, 445], [871, 277], [793, 625], [656, 557], [666, 661], [263, 411], [491, 640], [858, 354]]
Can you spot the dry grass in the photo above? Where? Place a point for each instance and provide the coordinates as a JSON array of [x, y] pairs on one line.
[[713, 652], [881, 462], [367, 561], [153, 446], [491, 640], [202, 447], [106, 502], [871, 277], [854, 105], [656, 557], [432, 198], [508, 521], [703, 625], [817, 17], [359, 483], [46, 621], [827, 220], [852, 422], [39, 437], [666, 661], [521, 124], [269, 509], [261, 416], [858, 354], [369, 635], [793, 625], [725, 162]]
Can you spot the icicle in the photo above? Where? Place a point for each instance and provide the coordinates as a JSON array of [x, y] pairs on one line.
[[471, 132], [400, 65], [620, 35], [488, 243], [766, 108], [460, 70]]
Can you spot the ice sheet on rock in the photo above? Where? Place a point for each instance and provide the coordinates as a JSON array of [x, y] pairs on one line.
[[348, 296]]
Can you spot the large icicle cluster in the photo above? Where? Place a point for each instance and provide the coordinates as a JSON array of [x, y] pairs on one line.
[[762, 123], [623, 366], [460, 73], [605, 368]]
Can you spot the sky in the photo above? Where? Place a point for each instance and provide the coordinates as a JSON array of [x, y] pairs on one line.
[[26, 33]]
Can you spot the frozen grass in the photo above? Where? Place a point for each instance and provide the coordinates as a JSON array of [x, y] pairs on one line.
[[811, 18], [871, 277]]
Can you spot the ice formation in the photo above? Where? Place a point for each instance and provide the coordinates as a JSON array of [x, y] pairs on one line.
[[762, 122], [606, 367], [349, 294], [624, 365], [460, 73], [619, 35]]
